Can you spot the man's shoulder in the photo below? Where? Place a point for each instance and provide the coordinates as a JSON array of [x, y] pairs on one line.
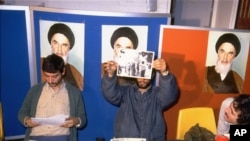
[[227, 101], [235, 73], [210, 67], [74, 70], [37, 87], [71, 87]]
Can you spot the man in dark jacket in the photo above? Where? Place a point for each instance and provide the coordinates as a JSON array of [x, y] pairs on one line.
[[141, 105]]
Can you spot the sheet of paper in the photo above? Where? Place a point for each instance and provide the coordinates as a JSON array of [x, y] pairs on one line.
[[55, 120]]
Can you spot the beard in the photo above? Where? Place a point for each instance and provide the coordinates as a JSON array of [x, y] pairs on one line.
[[143, 84], [223, 68], [55, 84]]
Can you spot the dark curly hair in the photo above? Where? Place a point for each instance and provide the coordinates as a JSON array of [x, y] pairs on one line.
[[241, 104], [53, 63]]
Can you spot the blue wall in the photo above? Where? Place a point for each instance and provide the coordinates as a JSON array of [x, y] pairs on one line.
[[15, 73]]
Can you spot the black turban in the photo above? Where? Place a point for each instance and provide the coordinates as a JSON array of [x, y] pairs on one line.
[[230, 38], [124, 32], [63, 29]]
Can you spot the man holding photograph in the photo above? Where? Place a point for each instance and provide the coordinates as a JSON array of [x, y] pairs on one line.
[[141, 105]]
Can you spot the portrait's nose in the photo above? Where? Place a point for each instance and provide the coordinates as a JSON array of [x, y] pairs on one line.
[[59, 48]]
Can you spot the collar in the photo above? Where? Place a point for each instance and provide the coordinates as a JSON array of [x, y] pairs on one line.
[[63, 84]]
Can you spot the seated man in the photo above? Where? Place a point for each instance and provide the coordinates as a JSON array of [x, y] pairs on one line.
[[233, 111]]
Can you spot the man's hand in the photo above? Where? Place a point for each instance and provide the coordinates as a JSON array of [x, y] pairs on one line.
[[70, 122], [161, 66], [110, 68], [29, 123]]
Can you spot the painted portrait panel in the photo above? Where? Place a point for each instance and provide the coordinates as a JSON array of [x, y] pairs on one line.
[[226, 61], [188, 51], [191, 51], [66, 40]]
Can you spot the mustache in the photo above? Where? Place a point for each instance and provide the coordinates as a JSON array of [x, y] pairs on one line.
[[54, 83]]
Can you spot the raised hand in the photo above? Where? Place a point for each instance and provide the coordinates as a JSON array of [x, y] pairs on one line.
[[110, 68]]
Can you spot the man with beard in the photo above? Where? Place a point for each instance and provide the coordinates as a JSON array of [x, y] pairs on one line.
[[233, 111], [62, 40], [221, 78], [54, 97], [141, 105]]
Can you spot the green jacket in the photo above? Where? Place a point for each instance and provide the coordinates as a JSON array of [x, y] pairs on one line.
[[77, 108]]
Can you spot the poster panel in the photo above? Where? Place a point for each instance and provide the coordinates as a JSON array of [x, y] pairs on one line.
[[205, 63], [16, 67]]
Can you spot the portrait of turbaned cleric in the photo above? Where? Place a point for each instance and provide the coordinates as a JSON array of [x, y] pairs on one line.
[[226, 62], [66, 40]]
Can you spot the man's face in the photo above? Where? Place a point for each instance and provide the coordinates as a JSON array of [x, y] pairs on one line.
[[143, 83], [60, 45], [122, 43], [231, 115], [226, 53], [53, 79]]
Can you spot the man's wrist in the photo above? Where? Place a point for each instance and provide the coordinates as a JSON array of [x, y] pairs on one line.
[[25, 121], [79, 123], [164, 73]]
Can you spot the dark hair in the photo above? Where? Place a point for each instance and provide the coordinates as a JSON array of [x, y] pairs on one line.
[[53, 63], [241, 104]]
